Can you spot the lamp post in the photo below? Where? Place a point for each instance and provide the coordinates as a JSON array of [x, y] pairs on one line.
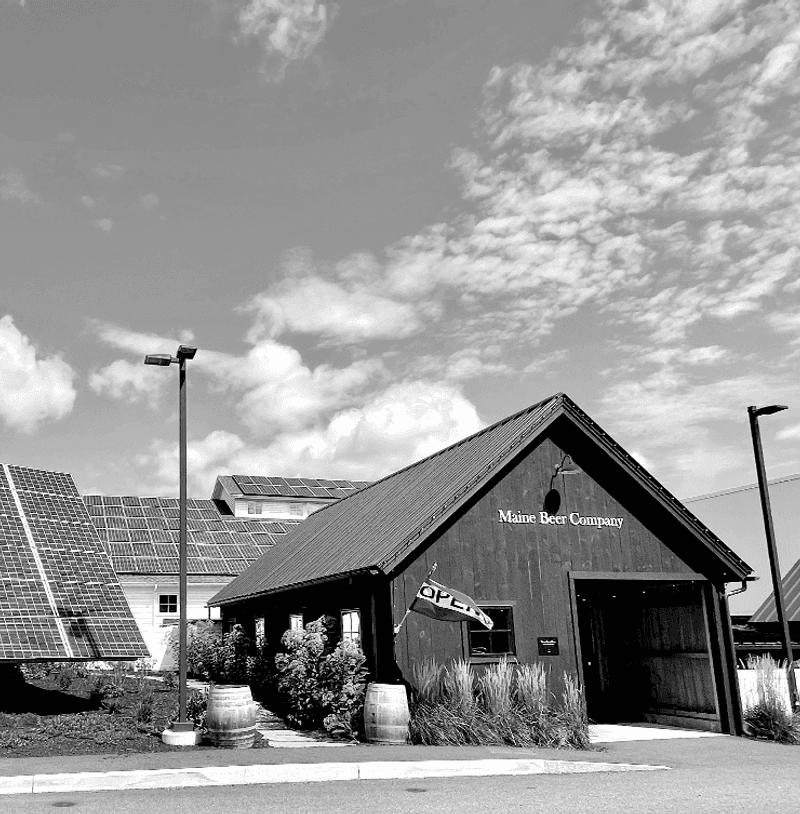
[[777, 585], [182, 732]]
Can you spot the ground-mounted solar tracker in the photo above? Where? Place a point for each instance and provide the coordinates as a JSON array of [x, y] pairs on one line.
[[141, 535], [59, 595]]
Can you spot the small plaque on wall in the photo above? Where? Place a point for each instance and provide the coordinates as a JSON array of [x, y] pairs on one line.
[[548, 645]]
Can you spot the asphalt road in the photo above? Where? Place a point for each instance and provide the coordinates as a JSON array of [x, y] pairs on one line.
[[717, 775]]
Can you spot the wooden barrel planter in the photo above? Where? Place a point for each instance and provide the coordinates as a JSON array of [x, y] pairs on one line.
[[231, 716], [386, 713]]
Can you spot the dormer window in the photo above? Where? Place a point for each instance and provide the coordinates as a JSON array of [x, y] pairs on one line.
[[253, 507]]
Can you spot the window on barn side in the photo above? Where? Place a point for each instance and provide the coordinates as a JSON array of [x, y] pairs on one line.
[[351, 625], [295, 621], [499, 641]]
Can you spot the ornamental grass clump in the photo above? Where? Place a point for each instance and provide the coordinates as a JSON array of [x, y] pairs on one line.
[[770, 717], [505, 704]]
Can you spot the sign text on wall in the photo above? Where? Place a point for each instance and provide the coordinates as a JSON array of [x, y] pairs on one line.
[[573, 519]]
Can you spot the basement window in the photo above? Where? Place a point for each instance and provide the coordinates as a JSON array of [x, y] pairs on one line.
[[499, 641]]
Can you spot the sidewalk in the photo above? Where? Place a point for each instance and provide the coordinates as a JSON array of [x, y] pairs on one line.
[[208, 766]]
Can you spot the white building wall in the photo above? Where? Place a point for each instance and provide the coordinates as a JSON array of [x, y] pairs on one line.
[[143, 598]]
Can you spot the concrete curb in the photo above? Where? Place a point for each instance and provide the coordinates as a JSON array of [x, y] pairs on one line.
[[299, 773]]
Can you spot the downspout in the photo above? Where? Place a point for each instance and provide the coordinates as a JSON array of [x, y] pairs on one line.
[[743, 588]]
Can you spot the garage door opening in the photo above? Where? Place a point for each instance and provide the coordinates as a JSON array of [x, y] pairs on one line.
[[645, 653]]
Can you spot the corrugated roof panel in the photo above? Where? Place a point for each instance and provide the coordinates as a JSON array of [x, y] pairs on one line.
[[791, 598]]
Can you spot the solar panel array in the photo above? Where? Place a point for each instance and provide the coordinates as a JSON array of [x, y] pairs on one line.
[[141, 534], [59, 595], [261, 486]]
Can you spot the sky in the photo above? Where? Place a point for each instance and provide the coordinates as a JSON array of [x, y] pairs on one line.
[[386, 224]]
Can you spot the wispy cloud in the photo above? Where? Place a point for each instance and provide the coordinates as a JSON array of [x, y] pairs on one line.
[[14, 188], [35, 388], [149, 201], [128, 381], [287, 31], [344, 303], [108, 172], [106, 224]]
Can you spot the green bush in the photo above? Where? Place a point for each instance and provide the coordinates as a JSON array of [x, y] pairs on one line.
[[510, 706], [212, 656], [318, 684]]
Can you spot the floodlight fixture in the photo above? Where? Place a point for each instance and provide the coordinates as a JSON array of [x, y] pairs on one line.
[[186, 351], [160, 359], [772, 408]]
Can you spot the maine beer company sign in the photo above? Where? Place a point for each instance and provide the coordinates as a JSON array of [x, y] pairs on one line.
[[573, 519]]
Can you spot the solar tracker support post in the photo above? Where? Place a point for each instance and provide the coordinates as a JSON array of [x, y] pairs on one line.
[[772, 548]]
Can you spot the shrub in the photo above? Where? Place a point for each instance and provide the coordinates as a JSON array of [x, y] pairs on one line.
[[770, 717], [509, 705], [212, 656], [319, 685]]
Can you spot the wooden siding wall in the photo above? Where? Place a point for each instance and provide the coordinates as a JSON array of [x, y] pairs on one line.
[[528, 566]]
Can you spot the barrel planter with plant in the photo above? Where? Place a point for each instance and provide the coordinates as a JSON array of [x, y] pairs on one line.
[[231, 716], [386, 713]]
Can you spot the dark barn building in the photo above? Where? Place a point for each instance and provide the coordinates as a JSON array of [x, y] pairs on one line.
[[580, 557]]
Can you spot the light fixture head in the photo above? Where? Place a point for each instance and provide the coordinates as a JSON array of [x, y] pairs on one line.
[[769, 410], [160, 359], [567, 467], [186, 352]]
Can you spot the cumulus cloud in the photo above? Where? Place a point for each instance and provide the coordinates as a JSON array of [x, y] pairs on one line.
[[103, 223], [287, 31], [14, 188], [126, 381], [205, 459], [271, 388], [395, 427], [34, 388], [149, 201], [345, 303]]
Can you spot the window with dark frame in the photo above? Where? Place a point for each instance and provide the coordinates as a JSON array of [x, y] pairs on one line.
[[351, 625], [168, 603], [499, 641]]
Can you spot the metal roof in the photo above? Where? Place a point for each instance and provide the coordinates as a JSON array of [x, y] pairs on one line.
[[791, 599], [272, 486], [140, 535], [59, 596], [377, 526]]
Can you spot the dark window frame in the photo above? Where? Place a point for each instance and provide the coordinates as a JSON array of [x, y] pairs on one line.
[[168, 603], [476, 651]]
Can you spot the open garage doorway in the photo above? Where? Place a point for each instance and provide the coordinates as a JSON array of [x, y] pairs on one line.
[[645, 652]]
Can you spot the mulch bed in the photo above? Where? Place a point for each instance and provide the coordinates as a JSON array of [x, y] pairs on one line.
[[41, 719]]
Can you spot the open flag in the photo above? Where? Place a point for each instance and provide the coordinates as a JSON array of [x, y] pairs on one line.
[[447, 605]]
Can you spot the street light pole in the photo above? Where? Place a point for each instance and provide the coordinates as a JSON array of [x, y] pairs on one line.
[[182, 563], [772, 548], [182, 732]]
